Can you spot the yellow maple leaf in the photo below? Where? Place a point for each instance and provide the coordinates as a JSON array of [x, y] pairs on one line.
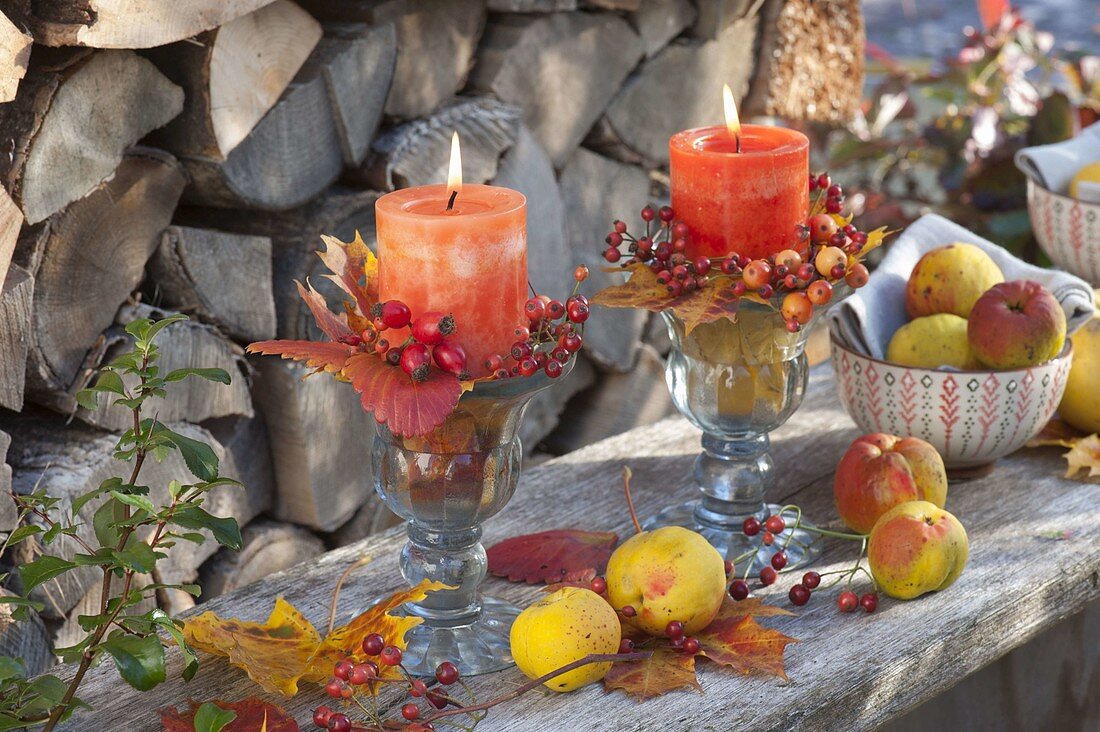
[[1084, 455], [287, 649]]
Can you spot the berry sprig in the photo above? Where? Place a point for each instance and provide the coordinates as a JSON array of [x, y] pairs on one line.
[[799, 594], [554, 331], [425, 344], [828, 252]]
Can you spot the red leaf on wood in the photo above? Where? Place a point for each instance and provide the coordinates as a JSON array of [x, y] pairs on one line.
[[560, 555], [666, 670], [253, 715], [991, 12], [354, 269], [736, 640], [408, 408], [322, 355], [332, 325]]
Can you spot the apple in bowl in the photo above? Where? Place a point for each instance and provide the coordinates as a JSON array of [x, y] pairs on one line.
[[1015, 325], [880, 471]]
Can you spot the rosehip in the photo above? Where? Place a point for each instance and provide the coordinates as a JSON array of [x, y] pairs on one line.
[[702, 265], [819, 292], [674, 629], [410, 711], [571, 342], [756, 274], [373, 644], [620, 226], [823, 181], [520, 350], [739, 590], [828, 258], [626, 646], [321, 716], [553, 368], [554, 309], [416, 360], [799, 595], [335, 688], [834, 191], [765, 291], [393, 356], [446, 673], [437, 699], [797, 306], [628, 611], [691, 645], [679, 230], [342, 670], [648, 214], [599, 585], [580, 274], [391, 655], [528, 366], [612, 255], [614, 239], [521, 333], [811, 580], [833, 205], [534, 309], [431, 328], [775, 524], [363, 672], [577, 309], [493, 363], [869, 602], [665, 213], [451, 358], [779, 560], [395, 314], [857, 276], [837, 272], [767, 576], [847, 601], [751, 526], [788, 258], [339, 722]]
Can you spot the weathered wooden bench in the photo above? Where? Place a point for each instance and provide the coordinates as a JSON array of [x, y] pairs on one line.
[[848, 672]]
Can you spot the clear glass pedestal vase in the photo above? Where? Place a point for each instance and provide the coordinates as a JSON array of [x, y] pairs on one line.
[[737, 381], [445, 484]]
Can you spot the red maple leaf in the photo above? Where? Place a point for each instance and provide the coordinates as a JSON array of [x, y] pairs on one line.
[[736, 640], [253, 715], [354, 269], [321, 355], [666, 670], [332, 325], [408, 408], [560, 555]]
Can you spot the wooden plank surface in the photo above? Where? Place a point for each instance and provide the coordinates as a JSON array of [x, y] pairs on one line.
[[849, 672]]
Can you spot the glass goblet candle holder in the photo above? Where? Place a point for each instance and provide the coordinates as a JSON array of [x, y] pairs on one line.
[[737, 381], [445, 484]]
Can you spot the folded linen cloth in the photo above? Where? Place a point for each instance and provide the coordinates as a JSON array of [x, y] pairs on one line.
[[868, 319], [1053, 166]]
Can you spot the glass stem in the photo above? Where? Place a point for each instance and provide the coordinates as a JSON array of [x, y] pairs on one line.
[[733, 476], [455, 558]]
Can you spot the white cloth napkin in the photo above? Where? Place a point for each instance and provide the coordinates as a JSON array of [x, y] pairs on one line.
[[867, 320], [1053, 166]]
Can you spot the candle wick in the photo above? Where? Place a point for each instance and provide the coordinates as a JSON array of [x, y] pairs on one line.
[[454, 195], [738, 140]]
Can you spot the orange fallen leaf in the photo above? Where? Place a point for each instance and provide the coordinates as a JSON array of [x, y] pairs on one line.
[[287, 649], [252, 715], [666, 670], [1084, 455]]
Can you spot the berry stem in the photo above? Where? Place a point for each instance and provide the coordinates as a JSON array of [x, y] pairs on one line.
[[629, 500], [362, 561]]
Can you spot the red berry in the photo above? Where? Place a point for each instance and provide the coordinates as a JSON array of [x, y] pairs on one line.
[[418, 688], [811, 580], [580, 274], [559, 354], [767, 538], [430, 328], [837, 271], [620, 227], [679, 230], [446, 673], [521, 333], [381, 346], [437, 699], [823, 181], [702, 265], [674, 629], [391, 655], [793, 326], [869, 602], [450, 357], [691, 645], [342, 670], [665, 212], [775, 524], [626, 646], [833, 205], [339, 722], [553, 368], [779, 559], [859, 237], [528, 366], [393, 356], [751, 527], [410, 711], [363, 672], [834, 191], [395, 314], [629, 611], [799, 595], [813, 182], [501, 373], [614, 238], [534, 309], [739, 590], [335, 688], [739, 288], [857, 276], [577, 308], [728, 566], [767, 576], [613, 255], [571, 342], [321, 716], [373, 644], [648, 214], [599, 585], [847, 601], [644, 244], [820, 292], [765, 292], [555, 309], [416, 360]]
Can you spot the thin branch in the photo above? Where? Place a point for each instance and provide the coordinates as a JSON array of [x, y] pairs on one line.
[[339, 585], [630, 501]]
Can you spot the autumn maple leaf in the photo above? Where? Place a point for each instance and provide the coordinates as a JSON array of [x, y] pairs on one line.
[[559, 555], [666, 670], [252, 715], [354, 270], [407, 407]]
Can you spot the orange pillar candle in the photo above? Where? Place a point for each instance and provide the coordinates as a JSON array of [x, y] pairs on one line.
[[740, 188], [469, 259]]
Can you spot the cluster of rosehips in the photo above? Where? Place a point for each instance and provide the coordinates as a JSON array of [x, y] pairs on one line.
[[674, 631], [800, 593], [807, 277], [425, 343], [554, 331], [347, 674]]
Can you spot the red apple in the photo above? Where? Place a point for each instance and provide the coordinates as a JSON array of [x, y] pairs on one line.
[[1016, 324], [881, 471]]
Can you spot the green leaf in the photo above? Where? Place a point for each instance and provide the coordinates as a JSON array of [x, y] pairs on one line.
[[139, 557], [43, 569], [219, 375], [21, 602], [161, 324], [44, 692], [212, 718], [23, 532], [11, 668], [199, 457], [88, 398], [135, 500], [103, 521], [190, 659], [140, 661], [139, 328], [225, 530], [111, 382]]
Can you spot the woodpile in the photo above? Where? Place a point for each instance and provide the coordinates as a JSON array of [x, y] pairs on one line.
[[186, 156]]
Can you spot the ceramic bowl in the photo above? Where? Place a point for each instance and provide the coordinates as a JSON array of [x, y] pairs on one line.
[[973, 417], [1068, 230]]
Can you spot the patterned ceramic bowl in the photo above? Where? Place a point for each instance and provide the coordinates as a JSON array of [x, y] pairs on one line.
[[972, 417], [1068, 230]]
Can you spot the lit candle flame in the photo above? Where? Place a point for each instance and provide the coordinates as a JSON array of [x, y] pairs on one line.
[[733, 123], [454, 172]]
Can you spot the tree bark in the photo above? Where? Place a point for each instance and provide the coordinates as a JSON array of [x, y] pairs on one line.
[[15, 55], [16, 303]]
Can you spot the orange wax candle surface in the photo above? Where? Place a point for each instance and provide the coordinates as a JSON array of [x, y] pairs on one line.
[[470, 261], [750, 202]]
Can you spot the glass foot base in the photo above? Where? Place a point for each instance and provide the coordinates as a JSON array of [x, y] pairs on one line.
[[748, 552], [478, 647]]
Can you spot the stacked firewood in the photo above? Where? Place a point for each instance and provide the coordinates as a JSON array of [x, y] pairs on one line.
[[185, 156]]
